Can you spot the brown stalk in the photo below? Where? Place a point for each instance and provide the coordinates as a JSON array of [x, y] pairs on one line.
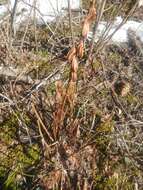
[[92, 12], [41, 122], [70, 20], [86, 27], [65, 99], [71, 53], [59, 113], [80, 49], [89, 19]]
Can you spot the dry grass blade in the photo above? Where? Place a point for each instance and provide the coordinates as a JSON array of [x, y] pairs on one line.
[[42, 124]]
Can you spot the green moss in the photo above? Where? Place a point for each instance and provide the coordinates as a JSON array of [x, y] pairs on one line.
[[106, 127], [97, 65], [18, 161], [15, 158], [114, 57], [8, 129], [28, 157], [131, 99], [43, 53]]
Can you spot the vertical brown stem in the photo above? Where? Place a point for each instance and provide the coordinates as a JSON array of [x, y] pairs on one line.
[[101, 10], [70, 20]]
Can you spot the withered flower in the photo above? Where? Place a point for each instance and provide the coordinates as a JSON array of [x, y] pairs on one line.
[[80, 49], [74, 64], [86, 27], [92, 12], [59, 92], [71, 54], [74, 77]]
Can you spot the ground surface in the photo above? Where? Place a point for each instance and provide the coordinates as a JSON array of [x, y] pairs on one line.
[[99, 143]]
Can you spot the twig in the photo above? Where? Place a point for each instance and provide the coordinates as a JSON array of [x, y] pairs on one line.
[[6, 98], [11, 72], [36, 87], [70, 20], [41, 122], [101, 10], [13, 15]]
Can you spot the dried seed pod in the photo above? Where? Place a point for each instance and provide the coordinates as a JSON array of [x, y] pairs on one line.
[[58, 98], [71, 93], [90, 18], [71, 53], [71, 88], [92, 12], [80, 49], [85, 29], [74, 64], [59, 92], [73, 77]]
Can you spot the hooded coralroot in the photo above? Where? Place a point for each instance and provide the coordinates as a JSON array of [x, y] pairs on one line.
[[59, 92], [85, 29], [74, 77], [74, 64], [89, 18], [80, 49], [92, 12], [71, 54]]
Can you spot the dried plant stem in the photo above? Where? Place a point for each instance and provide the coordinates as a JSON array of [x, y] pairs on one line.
[[13, 15], [70, 20], [122, 23], [41, 122], [100, 13], [65, 98]]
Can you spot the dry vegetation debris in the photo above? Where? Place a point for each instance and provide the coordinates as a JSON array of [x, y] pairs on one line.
[[85, 131]]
